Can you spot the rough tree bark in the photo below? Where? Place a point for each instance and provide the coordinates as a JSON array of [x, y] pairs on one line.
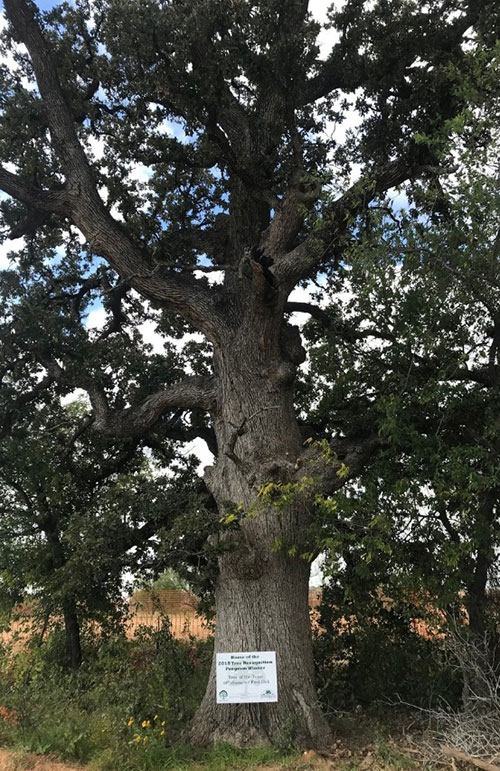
[[58, 560], [261, 592], [478, 566]]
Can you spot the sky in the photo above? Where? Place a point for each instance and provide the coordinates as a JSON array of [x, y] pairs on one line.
[[43, 5]]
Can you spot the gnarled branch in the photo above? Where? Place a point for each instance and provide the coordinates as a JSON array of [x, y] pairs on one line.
[[315, 250], [83, 205], [192, 393]]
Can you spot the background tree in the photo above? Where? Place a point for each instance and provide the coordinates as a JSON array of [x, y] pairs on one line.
[[418, 345], [246, 187], [76, 514]]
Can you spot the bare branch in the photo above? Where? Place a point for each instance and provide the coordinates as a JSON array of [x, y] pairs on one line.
[[464, 757]]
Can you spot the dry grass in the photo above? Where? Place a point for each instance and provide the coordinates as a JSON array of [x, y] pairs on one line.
[[21, 761]]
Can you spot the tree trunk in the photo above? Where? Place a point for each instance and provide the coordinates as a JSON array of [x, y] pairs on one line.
[[269, 613], [72, 633], [476, 596], [263, 584], [483, 635]]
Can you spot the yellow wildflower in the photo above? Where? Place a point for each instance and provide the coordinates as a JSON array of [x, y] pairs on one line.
[[145, 723], [131, 720], [155, 717], [137, 738], [162, 733], [145, 740], [163, 722]]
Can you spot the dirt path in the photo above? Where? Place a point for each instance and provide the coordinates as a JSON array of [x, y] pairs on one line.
[[15, 761]]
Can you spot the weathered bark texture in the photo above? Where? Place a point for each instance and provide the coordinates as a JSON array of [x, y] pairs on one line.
[[262, 592], [268, 612]]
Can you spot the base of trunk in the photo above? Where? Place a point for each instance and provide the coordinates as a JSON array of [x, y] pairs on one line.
[[268, 613], [292, 724]]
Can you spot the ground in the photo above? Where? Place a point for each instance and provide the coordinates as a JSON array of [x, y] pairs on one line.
[[15, 761], [363, 743], [20, 761], [358, 750]]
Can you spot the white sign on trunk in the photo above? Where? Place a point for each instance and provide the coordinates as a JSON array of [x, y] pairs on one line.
[[244, 678]]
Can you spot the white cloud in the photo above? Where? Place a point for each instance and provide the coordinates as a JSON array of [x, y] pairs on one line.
[[165, 128], [151, 336], [217, 277], [199, 448], [141, 173], [116, 213], [327, 37], [316, 577], [97, 147]]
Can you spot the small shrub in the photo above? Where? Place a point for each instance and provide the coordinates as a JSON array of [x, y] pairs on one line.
[[370, 652]]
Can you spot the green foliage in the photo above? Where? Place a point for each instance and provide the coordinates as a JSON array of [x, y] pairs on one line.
[[168, 579], [126, 709], [369, 650], [227, 109], [76, 513], [413, 349]]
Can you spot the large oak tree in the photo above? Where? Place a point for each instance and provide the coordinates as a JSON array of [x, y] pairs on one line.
[[226, 103]]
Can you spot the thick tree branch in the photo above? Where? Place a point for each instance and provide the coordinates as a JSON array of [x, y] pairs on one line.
[[21, 14], [313, 310], [46, 201], [349, 457], [316, 249], [84, 207], [192, 393]]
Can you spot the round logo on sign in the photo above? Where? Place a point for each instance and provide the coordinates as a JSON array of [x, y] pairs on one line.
[[222, 694]]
